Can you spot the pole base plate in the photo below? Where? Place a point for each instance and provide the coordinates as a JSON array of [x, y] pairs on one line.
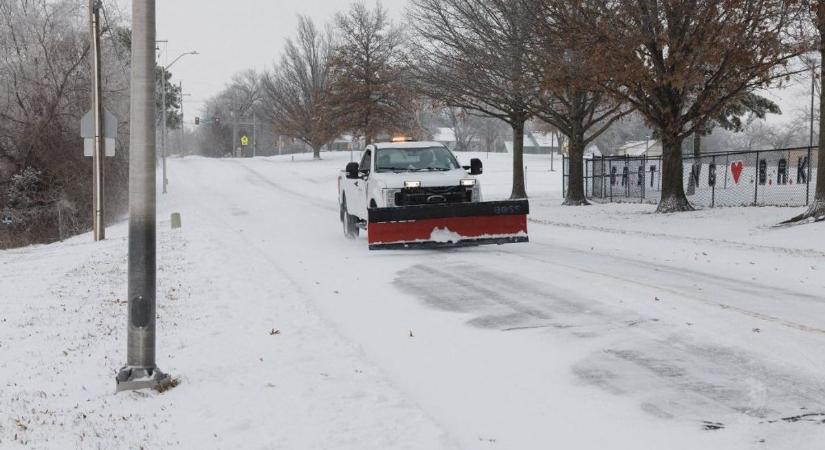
[[138, 378]]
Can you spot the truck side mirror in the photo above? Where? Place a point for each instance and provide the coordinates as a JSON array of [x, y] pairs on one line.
[[476, 168], [352, 171]]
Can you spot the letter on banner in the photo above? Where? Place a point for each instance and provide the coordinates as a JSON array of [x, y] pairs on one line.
[[782, 172], [763, 172], [696, 172], [802, 170]]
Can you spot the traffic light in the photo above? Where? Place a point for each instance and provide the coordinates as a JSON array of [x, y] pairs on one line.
[[197, 120]]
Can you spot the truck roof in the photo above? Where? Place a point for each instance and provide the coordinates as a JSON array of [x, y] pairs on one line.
[[413, 144]]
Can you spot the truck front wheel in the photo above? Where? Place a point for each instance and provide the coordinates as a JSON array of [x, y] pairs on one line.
[[349, 221]]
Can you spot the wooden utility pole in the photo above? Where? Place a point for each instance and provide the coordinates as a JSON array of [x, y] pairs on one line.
[[97, 106]]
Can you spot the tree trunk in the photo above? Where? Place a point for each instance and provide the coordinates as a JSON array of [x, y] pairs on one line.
[[697, 143], [316, 152], [817, 207], [673, 187], [575, 179], [697, 162], [519, 190]]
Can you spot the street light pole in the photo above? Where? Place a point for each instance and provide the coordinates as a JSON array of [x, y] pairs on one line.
[[164, 133], [811, 136], [234, 131], [163, 123], [182, 120], [140, 371], [813, 94], [254, 135]]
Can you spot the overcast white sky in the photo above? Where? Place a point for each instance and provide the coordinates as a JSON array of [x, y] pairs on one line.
[[234, 35]]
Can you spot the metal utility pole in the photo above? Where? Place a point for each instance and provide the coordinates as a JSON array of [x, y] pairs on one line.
[[254, 135], [182, 117], [811, 136], [97, 106], [163, 119], [164, 134], [234, 133], [813, 96], [140, 371]]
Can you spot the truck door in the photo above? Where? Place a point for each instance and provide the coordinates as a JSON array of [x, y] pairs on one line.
[[359, 203]]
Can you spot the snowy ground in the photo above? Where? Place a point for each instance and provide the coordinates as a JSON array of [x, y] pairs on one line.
[[614, 328]]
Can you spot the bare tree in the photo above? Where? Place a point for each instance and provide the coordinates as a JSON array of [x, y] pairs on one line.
[[580, 111], [245, 95], [298, 91], [44, 91], [466, 127], [681, 62], [371, 87], [474, 54], [244, 98], [492, 132]]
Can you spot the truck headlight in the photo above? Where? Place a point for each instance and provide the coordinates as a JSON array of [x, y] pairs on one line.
[[469, 182], [412, 184], [389, 197]]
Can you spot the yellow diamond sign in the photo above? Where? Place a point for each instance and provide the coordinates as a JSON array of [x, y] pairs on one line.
[[245, 140]]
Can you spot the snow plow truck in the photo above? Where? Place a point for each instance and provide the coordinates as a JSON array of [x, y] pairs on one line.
[[416, 195]]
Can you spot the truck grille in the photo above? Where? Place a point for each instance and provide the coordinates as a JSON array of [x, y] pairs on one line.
[[433, 195]]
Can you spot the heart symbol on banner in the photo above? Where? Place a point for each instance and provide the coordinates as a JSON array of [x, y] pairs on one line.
[[736, 168]]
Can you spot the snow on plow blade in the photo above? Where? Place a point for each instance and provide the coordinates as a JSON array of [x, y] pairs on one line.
[[448, 225]]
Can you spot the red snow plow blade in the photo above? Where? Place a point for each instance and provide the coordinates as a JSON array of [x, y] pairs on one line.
[[448, 225]]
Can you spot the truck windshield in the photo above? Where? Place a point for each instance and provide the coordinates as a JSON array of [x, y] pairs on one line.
[[415, 159]]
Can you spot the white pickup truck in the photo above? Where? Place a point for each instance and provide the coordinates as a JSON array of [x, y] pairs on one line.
[[404, 174], [416, 194]]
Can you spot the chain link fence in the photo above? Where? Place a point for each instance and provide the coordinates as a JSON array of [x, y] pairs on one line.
[[784, 177]]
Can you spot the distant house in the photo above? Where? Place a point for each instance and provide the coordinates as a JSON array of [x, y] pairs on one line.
[[536, 143], [590, 152], [650, 148], [341, 144], [445, 136]]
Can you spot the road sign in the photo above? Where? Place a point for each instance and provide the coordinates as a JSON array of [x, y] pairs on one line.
[[7, 217], [87, 132], [245, 141], [87, 125], [108, 146]]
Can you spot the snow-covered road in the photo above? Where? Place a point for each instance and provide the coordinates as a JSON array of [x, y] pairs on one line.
[[612, 328]]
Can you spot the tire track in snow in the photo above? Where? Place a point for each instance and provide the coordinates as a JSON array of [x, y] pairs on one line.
[[728, 285], [298, 195], [699, 240], [669, 374], [384, 385]]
